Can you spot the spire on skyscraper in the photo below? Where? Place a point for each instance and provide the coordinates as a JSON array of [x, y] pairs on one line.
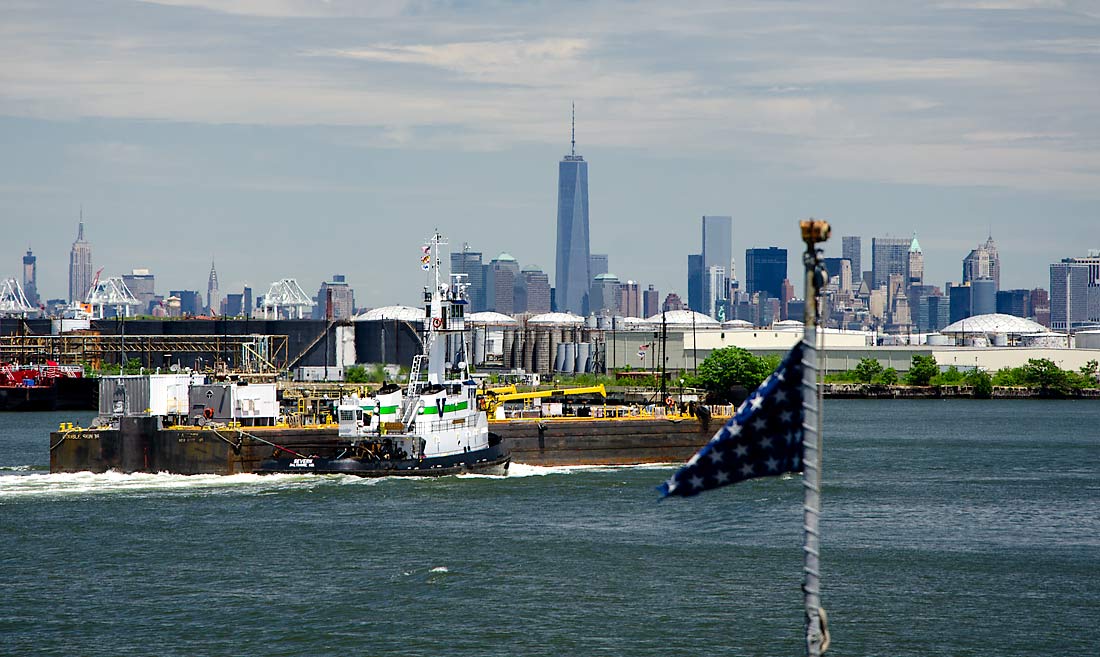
[[573, 132]]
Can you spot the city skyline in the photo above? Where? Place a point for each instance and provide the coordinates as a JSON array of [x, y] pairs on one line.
[[307, 129]]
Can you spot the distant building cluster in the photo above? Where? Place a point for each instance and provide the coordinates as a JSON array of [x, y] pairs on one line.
[[892, 297]]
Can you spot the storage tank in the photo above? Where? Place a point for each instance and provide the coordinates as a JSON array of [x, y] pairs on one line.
[[559, 356], [938, 340], [1000, 340], [569, 361], [1088, 340], [583, 356], [1045, 340], [479, 336], [508, 354], [542, 351]]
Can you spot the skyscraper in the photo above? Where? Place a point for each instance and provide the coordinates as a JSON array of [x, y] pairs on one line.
[[80, 265], [343, 299], [598, 264], [1069, 284], [536, 291], [469, 262], [651, 302], [605, 295], [572, 275], [841, 268], [695, 282], [143, 285], [889, 255], [213, 300], [765, 271], [500, 284], [983, 262], [30, 277], [916, 264], [852, 247], [717, 261], [630, 299]]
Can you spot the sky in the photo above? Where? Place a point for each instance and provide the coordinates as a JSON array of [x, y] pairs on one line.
[[285, 138]]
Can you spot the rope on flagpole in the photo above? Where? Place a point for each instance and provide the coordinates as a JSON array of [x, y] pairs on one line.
[[814, 232]]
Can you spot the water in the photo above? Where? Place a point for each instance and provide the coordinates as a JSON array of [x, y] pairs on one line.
[[951, 528]]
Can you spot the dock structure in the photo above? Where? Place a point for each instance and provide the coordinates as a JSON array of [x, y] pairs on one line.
[[244, 353]]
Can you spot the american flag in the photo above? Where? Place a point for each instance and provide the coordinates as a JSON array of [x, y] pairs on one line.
[[764, 437]]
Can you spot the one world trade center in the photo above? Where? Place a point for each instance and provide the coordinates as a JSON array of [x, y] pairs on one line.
[[572, 276]]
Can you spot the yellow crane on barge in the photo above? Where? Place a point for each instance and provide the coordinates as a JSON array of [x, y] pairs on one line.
[[493, 400]]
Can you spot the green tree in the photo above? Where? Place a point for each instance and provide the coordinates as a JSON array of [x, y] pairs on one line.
[[951, 377], [132, 366], [922, 370], [733, 366], [982, 383], [867, 370], [889, 377], [356, 374], [1009, 376], [1047, 376]]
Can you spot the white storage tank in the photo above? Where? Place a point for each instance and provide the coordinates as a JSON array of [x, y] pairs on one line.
[[1045, 340], [939, 340], [1087, 339]]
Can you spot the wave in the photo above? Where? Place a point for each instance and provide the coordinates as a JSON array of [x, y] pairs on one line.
[[85, 483], [524, 470], [89, 483], [24, 468]]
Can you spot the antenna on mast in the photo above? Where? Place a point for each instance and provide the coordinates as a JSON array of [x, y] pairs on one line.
[[573, 132]]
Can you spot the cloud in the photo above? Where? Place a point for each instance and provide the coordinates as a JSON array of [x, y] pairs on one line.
[[909, 95]]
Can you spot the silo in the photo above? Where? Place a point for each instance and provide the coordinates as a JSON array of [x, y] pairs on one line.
[[526, 349], [569, 363], [559, 357], [582, 350], [478, 336], [509, 345], [542, 350], [554, 339]]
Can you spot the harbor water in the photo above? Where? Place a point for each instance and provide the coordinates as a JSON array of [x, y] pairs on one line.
[[950, 527]]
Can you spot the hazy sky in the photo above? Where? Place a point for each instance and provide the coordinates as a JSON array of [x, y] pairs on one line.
[[292, 138]]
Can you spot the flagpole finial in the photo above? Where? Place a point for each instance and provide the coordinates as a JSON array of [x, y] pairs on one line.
[[815, 231]]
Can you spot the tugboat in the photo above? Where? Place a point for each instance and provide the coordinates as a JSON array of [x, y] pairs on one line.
[[431, 427]]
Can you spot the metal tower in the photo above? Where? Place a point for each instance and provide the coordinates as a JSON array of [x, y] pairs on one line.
[[12, 300], [112, 292], [288, 294]]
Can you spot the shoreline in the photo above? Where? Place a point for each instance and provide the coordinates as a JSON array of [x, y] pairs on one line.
[[879, 391]]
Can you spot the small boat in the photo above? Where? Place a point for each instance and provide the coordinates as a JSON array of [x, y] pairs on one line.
[[434, 425]]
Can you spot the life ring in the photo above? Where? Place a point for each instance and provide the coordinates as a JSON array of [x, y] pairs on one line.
[[436, 322], [668, 401], [208, 413]]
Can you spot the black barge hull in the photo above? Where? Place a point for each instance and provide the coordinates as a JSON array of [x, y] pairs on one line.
[[491, 461], [140, 445]]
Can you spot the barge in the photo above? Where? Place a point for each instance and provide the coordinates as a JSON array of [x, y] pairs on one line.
[[144, 444]]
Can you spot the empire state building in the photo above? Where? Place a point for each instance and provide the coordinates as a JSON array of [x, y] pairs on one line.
[[80, 266], [572, 277]]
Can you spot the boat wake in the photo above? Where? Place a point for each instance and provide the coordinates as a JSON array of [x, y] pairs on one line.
[[88, 483], [22, 481], [522, 470]]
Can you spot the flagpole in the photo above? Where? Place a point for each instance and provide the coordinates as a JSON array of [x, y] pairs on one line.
[[814, 232]]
